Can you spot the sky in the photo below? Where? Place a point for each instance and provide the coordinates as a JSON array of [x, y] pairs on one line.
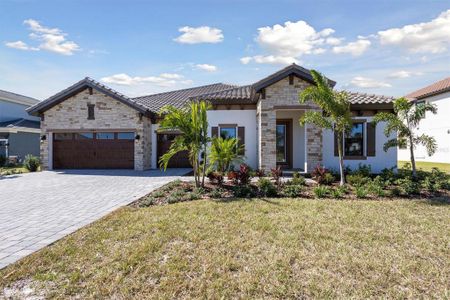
[[144, 47]]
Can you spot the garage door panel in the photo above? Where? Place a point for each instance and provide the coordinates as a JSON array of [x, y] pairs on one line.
[[93, 154]]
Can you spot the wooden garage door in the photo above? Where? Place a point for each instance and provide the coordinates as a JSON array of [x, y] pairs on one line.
[[87, 150], [179, 160]]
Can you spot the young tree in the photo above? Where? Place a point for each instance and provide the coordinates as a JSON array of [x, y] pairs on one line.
[[403, 121], [334, 115], [192, 122]]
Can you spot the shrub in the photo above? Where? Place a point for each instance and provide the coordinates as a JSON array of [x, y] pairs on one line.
[[388, 175], [357, 180], [438, 178], [321, 191], [408, 186], [233, 176], [361, 192], [215, 177], [176, 196], [216, 193], [376, 189], [292, 191], [148, 201], [244, 174], [363, 169], [276, 175], [430, 185], [266, 188], [2, 160], [243, 191], [339, 192], [260, 173], [322, 175], [297, 181], [396, 191], [31, 163]]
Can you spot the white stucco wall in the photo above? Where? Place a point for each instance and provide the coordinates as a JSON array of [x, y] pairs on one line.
[[438, 126], [298, 137], [378, 162], [246, 118]]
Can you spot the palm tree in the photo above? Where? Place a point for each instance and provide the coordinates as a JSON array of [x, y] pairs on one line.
[[224, 152], [403, 121], [334, 115], [192, 122]]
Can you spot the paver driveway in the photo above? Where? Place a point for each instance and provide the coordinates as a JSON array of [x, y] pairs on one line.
[[37, 209]]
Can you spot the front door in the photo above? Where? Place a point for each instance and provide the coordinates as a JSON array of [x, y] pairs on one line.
[[284, 143]]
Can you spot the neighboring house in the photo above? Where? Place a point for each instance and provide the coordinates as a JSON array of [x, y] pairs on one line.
[[88, 125], [437, 126], [19, 132]]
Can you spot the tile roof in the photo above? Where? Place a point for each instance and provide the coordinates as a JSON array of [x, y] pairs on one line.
[[439, 87], [86, 82], [179, 98], [363, 98], [17, 97], [20, 123], [240, 94]]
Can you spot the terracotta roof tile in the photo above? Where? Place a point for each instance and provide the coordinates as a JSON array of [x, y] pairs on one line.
[[441, 86], [363, 98]]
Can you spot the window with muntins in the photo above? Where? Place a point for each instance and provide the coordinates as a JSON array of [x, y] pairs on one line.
[[354, 140]]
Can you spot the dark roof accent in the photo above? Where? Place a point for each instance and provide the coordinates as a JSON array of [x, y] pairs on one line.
[[294, 69], [436, 88], [13, 96], [21, 123], [363, 98], [179, 98], [78, 87], [237, 95]]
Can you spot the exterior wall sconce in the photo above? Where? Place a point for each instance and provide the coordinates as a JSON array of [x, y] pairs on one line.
[[43, 138], [137, 137]]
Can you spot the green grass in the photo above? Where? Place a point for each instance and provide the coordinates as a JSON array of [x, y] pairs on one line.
[[12, 170], [427, 166], [251, 249]]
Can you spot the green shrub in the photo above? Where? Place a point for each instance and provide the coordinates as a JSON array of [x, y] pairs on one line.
[[216, 193], [321, 191], [322, 175], [243, 191], [31, 163], [430, 185], [439, 179], [176, 196], [148, 201], [363, 170], [292, 190], [361, 192], [339, 192], [296, 181], [266, 187], [408, 186], [357, 180], [2, 160], [376, 189], [388, 175], [396, 191]]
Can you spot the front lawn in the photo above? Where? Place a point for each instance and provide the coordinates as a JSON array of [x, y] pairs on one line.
[[269, 248], [427, 166]]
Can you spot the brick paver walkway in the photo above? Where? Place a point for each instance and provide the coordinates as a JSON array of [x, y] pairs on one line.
[[37, 209]]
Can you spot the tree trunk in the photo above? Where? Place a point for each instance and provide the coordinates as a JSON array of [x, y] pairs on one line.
[[413, 160], [204, 166], [341, 159]]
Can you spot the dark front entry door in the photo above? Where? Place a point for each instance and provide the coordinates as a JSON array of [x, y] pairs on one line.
[[284, 143], [103, 150], [179, 160]]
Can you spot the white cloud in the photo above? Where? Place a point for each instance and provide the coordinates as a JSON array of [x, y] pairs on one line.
[[354, 48], [428, 37], [333, 41], [196, 35], [269, 59], [206, 67], [404, 74], [51, 39], [367, 83], [21, 46], [163, 80]]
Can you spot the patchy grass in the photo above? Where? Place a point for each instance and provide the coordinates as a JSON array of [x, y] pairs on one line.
[[272, 248], [12, 170], [427, 166]]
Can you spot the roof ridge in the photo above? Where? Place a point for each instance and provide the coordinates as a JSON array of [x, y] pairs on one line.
[[366, 94], [180, 90], [427, 93]]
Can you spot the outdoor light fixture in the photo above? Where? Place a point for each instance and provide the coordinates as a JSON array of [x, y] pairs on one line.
[[43, 138], [137, 137]]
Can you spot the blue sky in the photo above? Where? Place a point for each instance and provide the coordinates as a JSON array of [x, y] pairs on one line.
[[143, 47]]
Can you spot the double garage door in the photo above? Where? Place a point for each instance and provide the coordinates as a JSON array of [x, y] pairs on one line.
[[93, 150]]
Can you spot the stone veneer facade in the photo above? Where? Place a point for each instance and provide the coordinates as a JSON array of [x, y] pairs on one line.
[[110, 114], [282, 93]]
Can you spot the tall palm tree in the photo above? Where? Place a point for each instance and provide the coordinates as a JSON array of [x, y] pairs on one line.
[[403, 121], [192, 122], [334, 112]]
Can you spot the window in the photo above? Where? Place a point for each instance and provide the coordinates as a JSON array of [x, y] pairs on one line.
[[354, 140], [84, 136], [91, 111], [281, 143], [125, 135], [105, 135], [419, 104], [62, 136], [227, 132]]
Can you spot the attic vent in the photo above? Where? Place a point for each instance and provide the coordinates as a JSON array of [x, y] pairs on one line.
[[91, 115]]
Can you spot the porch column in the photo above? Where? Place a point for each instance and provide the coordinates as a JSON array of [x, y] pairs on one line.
[[313, 146], [267, 154]]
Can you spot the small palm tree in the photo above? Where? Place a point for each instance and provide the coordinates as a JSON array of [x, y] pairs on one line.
[[403, 121], [334, 115], [192, 122], [224, 152]]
